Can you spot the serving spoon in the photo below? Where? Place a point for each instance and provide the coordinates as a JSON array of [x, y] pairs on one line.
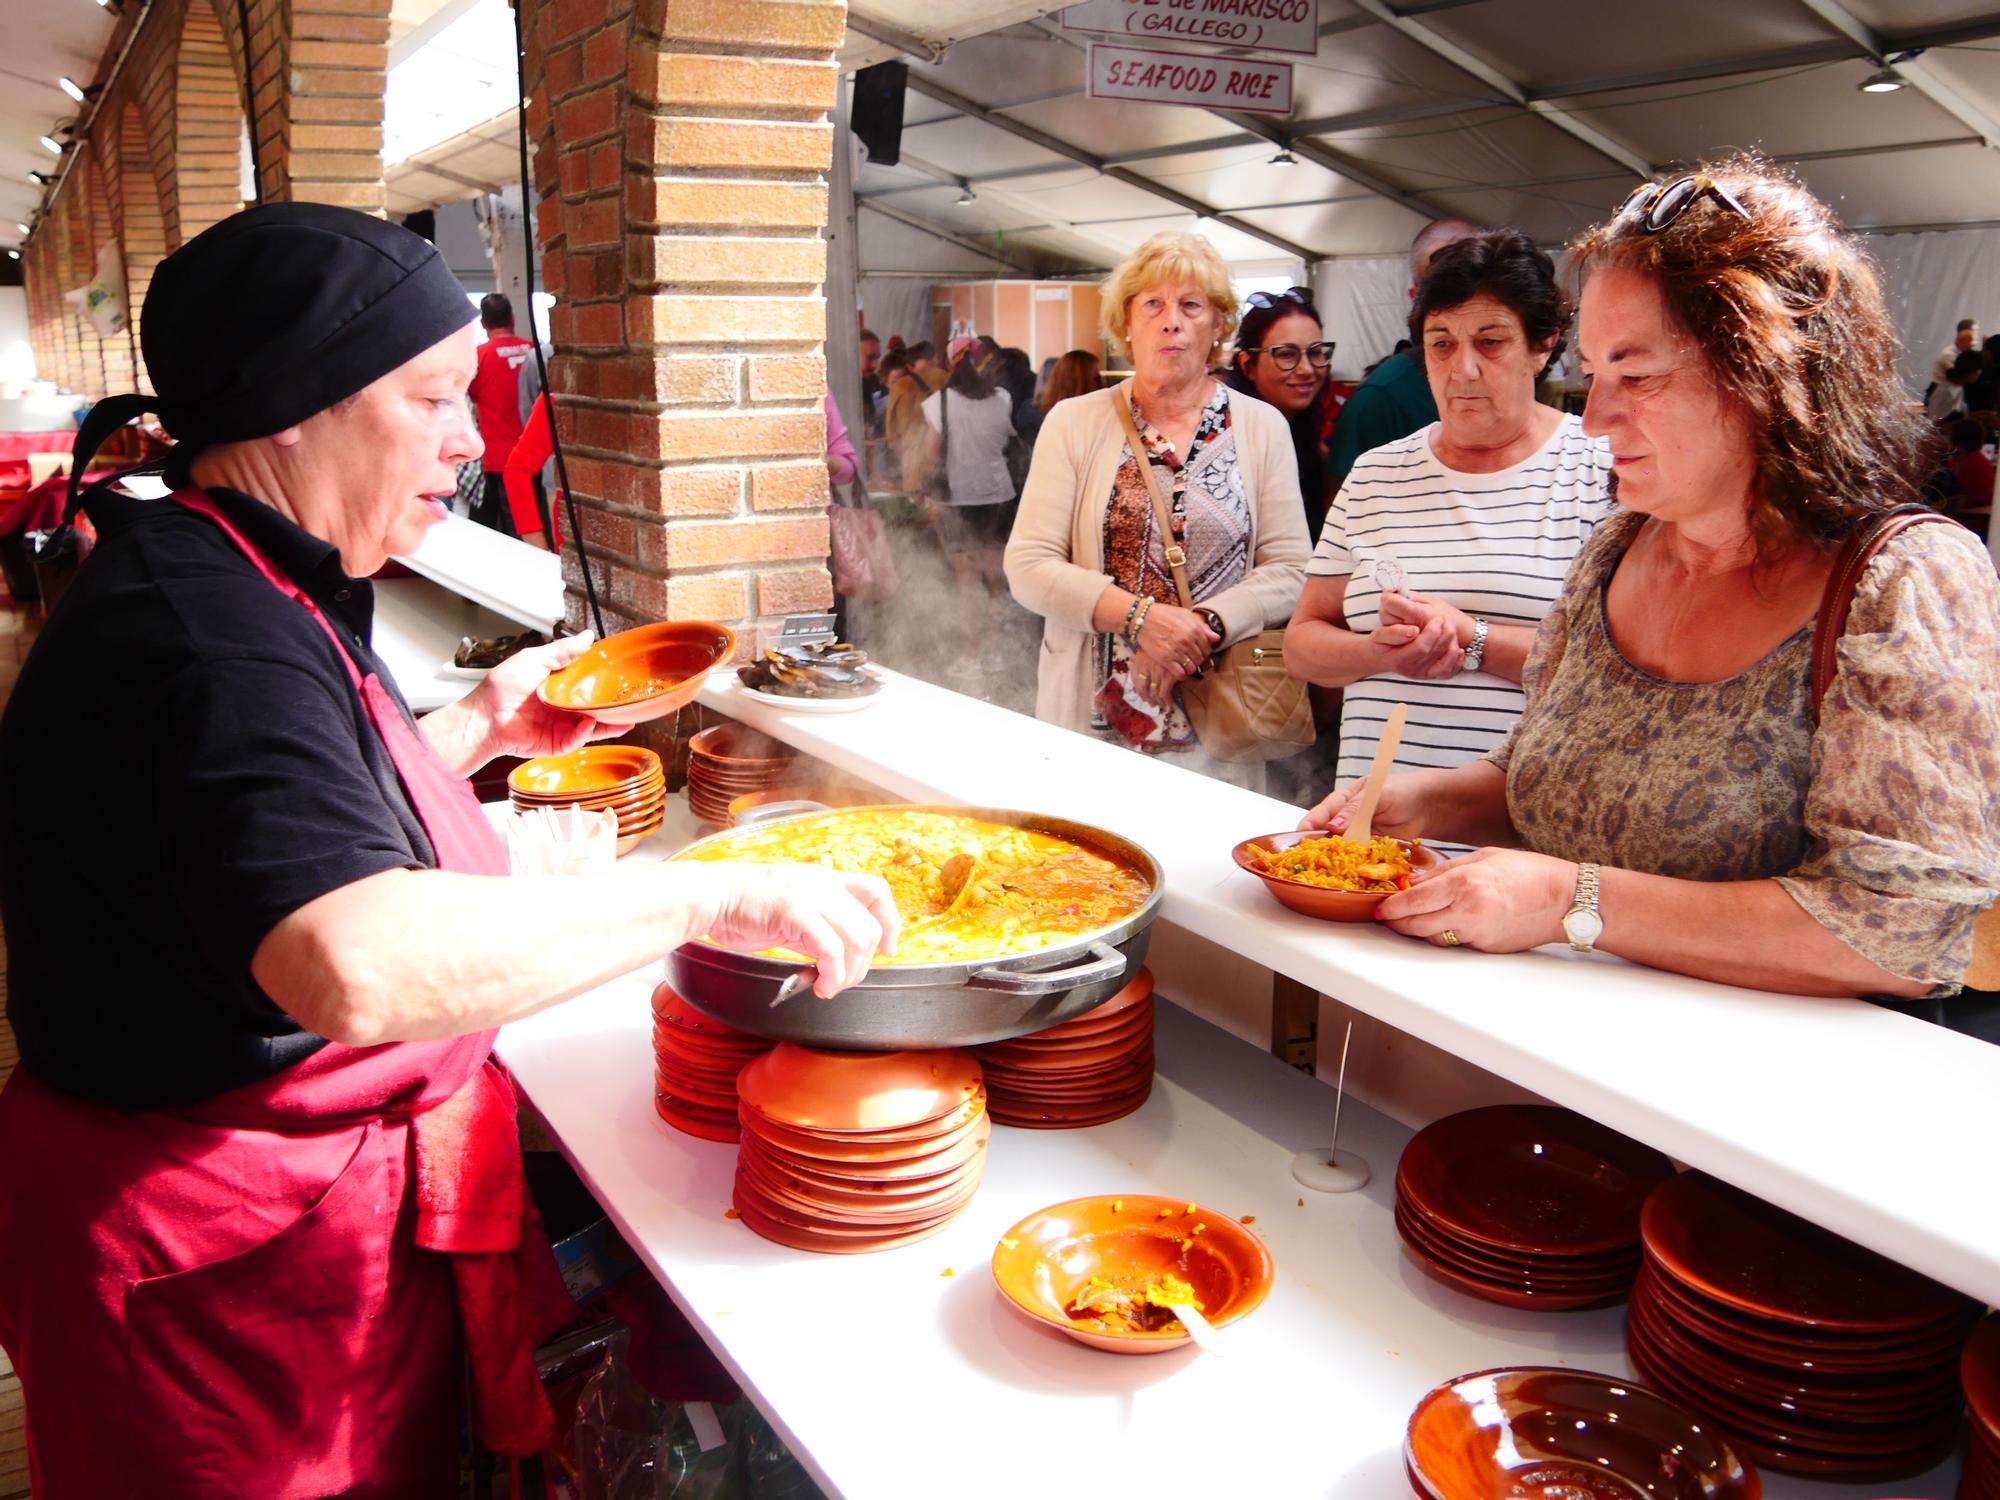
[[1361, 822]]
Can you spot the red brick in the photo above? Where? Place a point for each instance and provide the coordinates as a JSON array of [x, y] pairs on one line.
[[711, 543], [789, 487], [564, 75], [575, 17], [792, 591], [604, 532], [587, 115], [716, 491], [598, 324], [605, 165], [573, 173], [604, 55], [596, 221]]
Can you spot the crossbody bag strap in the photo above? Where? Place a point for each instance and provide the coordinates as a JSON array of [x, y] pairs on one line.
[[1176, 558], [1856, 554]]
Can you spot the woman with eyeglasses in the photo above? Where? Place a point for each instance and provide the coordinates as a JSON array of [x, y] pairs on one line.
[[1444, 549], [1282, 358], [1091, 553], [1678, 791]]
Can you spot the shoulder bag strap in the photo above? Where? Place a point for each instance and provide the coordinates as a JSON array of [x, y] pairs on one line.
[[1856, 553], [1176, 558]]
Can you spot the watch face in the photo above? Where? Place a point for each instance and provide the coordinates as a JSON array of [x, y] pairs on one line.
[[1583, 925]]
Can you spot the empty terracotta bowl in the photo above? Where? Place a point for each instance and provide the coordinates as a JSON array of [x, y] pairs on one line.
[[1319, 900], [737, 750], [593, 771], [860, 1092], [1047, 1259], [1497, 1434], [640, 674]]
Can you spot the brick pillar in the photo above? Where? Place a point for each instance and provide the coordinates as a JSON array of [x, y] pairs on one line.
[[114, 351], [145, 229], [209, 123], [683, 147], [327, 147]]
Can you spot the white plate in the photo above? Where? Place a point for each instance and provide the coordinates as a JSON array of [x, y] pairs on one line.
[[469, 674], [794, 705]]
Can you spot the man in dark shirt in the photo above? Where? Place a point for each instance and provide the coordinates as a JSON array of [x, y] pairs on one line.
[[1395, 400], [261, 933]]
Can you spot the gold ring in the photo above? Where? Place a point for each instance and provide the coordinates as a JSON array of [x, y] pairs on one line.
[[1448, 938]]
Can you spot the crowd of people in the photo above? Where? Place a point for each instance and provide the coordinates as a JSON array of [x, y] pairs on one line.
[[1602, 624]]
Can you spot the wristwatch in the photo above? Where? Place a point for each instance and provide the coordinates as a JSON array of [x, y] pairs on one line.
[[1583, 923], [1475, 653]]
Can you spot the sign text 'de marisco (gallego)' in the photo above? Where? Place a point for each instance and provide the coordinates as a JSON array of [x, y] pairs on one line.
[[1261, 25]]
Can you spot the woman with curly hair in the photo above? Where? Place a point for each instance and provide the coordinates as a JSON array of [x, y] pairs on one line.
[[1673, 794]]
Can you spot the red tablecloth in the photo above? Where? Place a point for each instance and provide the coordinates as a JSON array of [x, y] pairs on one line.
[[21, 444], [41, 507]]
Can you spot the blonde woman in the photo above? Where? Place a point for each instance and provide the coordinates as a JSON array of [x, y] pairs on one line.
[[1087, 552]]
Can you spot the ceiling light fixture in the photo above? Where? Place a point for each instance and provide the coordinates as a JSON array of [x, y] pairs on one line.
[[74, 89], [1284, 158], [965, 195], [13, 255], [52, 144], [1882, 81], [40, 179], [25, 228]]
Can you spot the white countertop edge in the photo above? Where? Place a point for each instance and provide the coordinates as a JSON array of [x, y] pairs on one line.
[[1866, 1121]]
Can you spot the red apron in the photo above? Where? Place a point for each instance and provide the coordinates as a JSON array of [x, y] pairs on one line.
[[244, 1298]]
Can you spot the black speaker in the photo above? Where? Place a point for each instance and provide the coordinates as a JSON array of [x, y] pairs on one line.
[[877, 117]]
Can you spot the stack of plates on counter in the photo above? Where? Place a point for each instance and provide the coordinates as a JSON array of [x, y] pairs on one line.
[[728, 761], [625, 779], [1090, 1071], [1526, 1205], [1817, 1356], [1979, 1370], [695, 1062], [855, 1151]]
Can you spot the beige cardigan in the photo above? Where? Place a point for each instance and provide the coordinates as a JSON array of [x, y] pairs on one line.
[[1055, 558]]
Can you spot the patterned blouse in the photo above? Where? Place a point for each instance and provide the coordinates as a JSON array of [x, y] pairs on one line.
[[1884, 826], [1206, 489]]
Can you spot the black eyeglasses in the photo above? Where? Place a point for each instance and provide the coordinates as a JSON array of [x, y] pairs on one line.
[[1286, 356], [1298, 296], [1656, 207]]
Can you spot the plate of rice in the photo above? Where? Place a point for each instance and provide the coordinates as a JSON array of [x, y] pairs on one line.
[[1324, 875]]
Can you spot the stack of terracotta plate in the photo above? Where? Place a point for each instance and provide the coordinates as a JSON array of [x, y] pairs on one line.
[[625, 779], [1979, 1372], [1090, 1071], [727, 761], [1526, 1205], [1817, 1356], [855, 1151], [695, 1062]]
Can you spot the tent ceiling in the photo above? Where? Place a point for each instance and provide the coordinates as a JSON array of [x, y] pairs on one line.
[[1413, 107]]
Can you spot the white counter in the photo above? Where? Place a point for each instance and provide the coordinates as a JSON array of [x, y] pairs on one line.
[[511, 578], [906, 1376], [1875, 1125]]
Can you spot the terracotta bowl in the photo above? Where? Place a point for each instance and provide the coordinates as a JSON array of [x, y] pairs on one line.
[[1502, 1433], [1046, 1259], [858, 1092], [1318, 900], [731, 748], [640, 674], [593, 771]]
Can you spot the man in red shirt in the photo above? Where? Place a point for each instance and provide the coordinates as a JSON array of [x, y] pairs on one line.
[[495, 397]]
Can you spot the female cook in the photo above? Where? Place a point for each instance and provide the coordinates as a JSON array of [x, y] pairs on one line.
[[257, 1168], [1667, 790]]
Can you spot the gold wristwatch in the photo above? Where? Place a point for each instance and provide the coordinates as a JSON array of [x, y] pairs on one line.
[[1583, 923]]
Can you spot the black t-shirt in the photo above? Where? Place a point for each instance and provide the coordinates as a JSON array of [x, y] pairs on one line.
[[185, 762]]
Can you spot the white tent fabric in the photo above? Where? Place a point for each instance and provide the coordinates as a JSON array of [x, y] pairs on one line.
[[1364, 306], [896, 305], [1930, 282]]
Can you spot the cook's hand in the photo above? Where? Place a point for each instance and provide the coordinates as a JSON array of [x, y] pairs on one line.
[[1399, 813], [1177, 639], [1495, 900], [1420, 609], [1430, 650], [514, 721], [1153, 679], [839, 921]]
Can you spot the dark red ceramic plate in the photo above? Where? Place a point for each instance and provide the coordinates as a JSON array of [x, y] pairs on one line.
[[1536, 1278], [1625, 1262], [1749, 1255], [1979, 1370], [1785, 1344], [1553, 1432], [1532, 1179], [1508, 1293]]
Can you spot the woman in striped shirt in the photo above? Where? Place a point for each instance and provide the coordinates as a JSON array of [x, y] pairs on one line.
[[1445, 548]]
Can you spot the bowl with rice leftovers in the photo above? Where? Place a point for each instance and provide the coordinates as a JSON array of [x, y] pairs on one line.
[[1334, 878]]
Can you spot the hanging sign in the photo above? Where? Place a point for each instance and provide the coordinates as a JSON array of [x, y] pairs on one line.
[[1149, 76], [1262, 25]]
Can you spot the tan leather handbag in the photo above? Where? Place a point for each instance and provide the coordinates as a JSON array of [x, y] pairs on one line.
[[1855, 554], [1244, 705]]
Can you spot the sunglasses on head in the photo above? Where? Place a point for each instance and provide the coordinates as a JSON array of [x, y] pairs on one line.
[[1286, 356], [1298, 296], [1655, 207]]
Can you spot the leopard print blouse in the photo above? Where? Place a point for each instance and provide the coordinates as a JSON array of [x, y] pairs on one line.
[[1884, 825]]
